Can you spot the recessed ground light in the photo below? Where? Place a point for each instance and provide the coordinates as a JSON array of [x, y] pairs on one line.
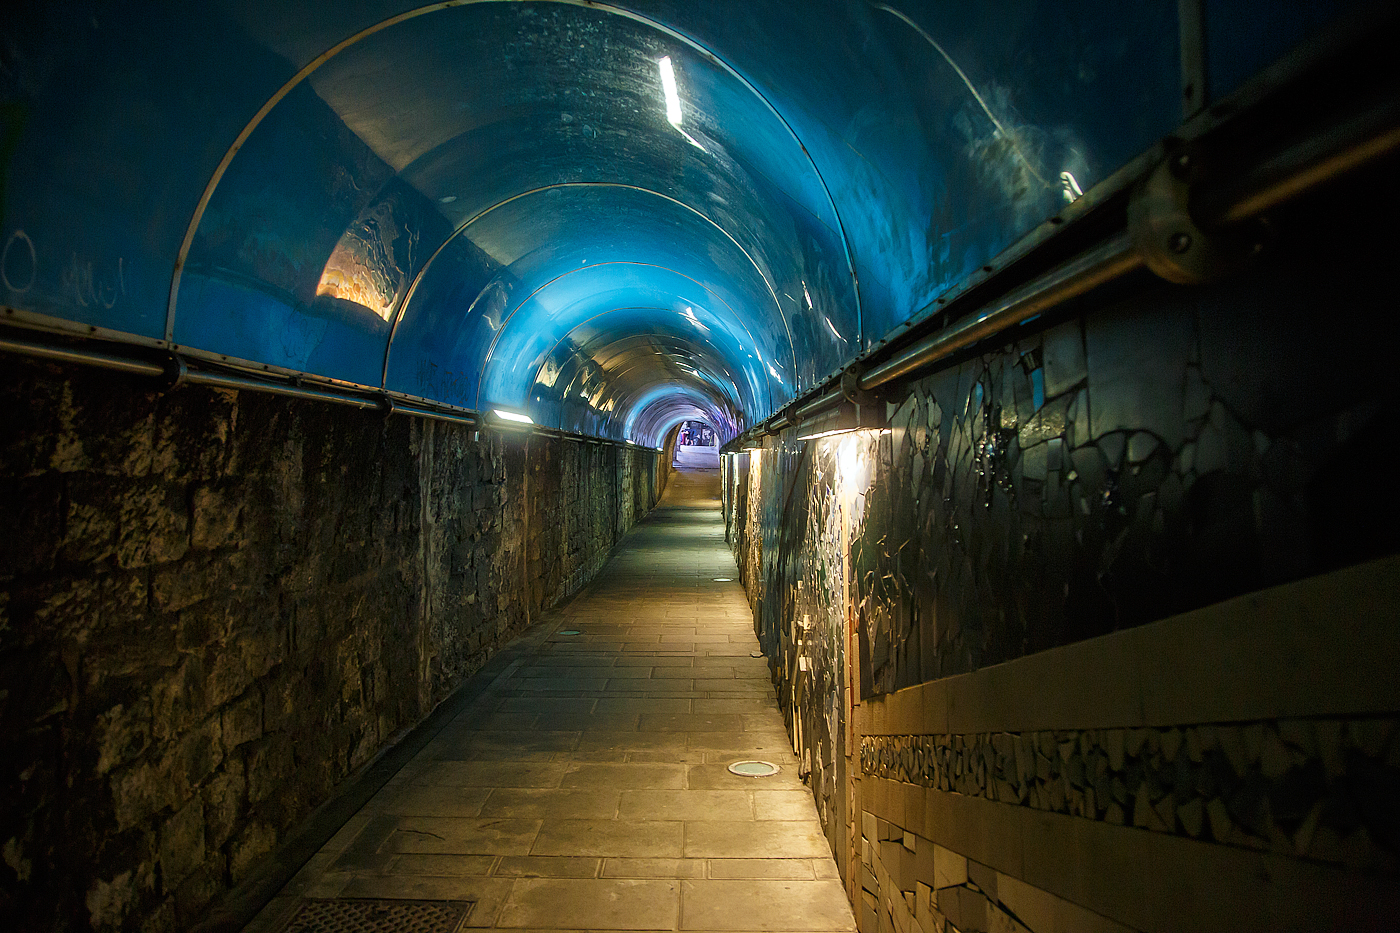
[[569, 631], [724, 580], [754, 768]]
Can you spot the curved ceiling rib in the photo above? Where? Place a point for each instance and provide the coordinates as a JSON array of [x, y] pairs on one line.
[[605, 344], [401, 176], [625, 369], [586, 270], [656, 416], [450, 243], [461, 230]]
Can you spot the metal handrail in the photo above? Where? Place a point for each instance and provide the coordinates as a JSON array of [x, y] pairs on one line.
[[229, 381], [1103, 263], [178, 372], [85, 357]]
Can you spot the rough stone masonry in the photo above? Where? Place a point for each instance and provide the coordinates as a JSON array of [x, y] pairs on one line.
[[215, 606]]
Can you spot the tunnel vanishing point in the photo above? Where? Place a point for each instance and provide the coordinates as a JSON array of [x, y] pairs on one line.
[[358, 570]]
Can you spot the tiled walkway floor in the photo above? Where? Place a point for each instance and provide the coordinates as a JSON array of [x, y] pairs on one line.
[[587, 788]]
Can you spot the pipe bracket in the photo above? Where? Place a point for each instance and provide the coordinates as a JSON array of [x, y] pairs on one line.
[[176, 374], [1164, 232]]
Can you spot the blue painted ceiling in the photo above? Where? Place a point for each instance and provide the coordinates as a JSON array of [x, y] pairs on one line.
[[497, 204]]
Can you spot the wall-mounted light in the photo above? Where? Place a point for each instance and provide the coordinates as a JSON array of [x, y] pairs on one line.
[[842, 419], [820, 434], [512, 417], [851, 464]]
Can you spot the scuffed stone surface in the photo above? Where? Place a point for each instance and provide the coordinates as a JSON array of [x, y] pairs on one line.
[[215, 606]]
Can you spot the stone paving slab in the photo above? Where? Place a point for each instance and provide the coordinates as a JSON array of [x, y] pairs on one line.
[[764, 905], [589, 790]]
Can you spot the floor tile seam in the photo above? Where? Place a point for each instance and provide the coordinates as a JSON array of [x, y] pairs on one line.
[[654, 694], [655, 681]]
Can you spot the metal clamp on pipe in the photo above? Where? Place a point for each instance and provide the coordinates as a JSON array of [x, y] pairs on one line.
[[1165, 232], [177, 371], [869, 410]]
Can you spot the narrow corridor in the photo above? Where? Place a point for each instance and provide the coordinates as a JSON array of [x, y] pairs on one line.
[[588, 786]]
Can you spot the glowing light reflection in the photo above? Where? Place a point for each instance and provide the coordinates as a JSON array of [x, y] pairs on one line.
[[1069, 187], [512, 416], [668, 87], [673, 101]]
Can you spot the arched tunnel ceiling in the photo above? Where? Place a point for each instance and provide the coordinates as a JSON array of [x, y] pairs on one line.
[[500, 203]]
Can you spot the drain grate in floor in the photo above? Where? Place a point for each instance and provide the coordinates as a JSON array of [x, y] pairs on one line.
[[369, 915]]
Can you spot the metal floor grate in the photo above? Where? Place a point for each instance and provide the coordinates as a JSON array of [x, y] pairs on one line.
[[371, 915]]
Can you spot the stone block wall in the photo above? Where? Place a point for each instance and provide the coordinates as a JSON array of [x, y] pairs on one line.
[[215, 606]]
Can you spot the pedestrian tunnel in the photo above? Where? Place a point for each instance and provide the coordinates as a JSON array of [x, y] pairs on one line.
[[1039, 359]]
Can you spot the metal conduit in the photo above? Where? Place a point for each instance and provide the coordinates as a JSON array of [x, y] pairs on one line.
[[818, 405], [1107, 261], [220, 380], [384, 403], [417, 412], [225, 381], [1335, 151], [84, 357], [185, 376]]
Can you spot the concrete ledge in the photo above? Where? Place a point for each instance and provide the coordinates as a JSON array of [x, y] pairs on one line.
[[1324, 646], [1149, 881]]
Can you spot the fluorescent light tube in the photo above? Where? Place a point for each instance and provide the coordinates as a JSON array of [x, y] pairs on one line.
[[668, 86]]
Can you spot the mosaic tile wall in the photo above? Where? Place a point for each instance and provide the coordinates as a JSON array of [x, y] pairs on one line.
[[1317, 788], [793, 558], [1166, 450], [1155, 450], [813, 671]]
